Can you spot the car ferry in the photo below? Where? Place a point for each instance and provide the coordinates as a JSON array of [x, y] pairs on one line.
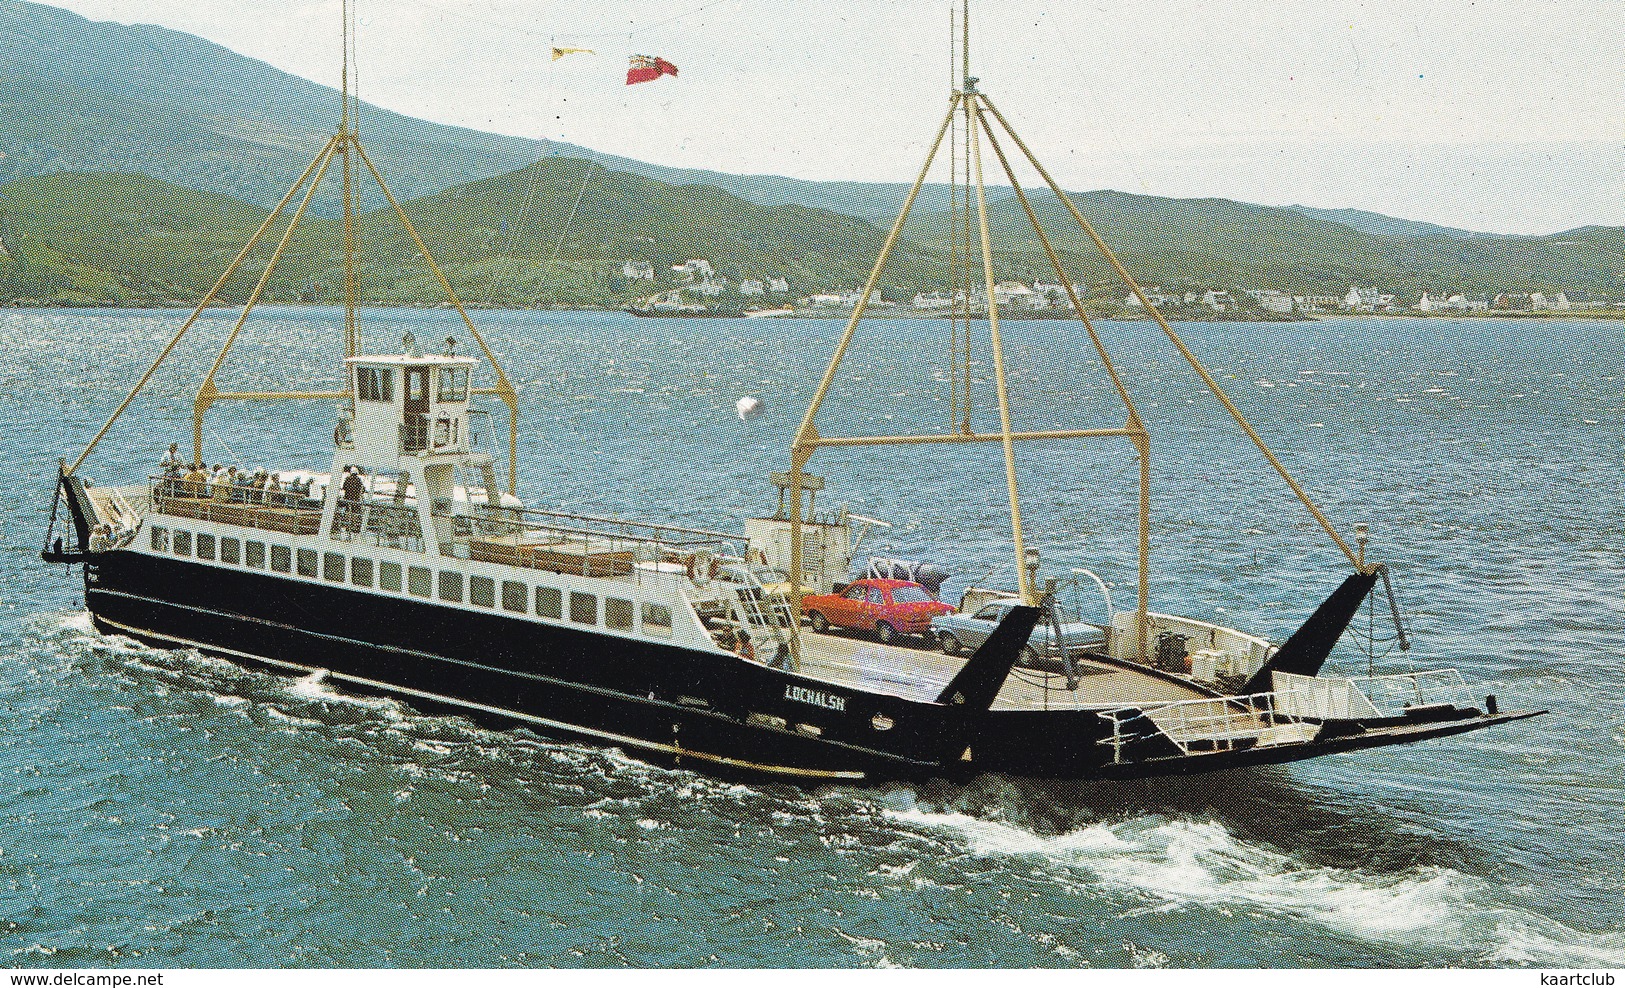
[[404, 568]]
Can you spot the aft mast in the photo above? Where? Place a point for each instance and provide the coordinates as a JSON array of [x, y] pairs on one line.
[[976, 113]]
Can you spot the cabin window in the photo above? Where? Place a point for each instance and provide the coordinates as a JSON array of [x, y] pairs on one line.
[[306, 560], [281, 558], [482, 591], [513, 596], [657, 620], [183, 543], [361, 572], [333, 566], [418, 582], [451, 586], [583, 608], [389, 577], [231, 550], [549, 603], [160, 539], [618, 613], [375, 383], [254, 555], [454, 384], [205, 545]]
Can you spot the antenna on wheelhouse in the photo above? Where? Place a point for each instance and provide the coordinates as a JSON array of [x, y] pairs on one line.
[[345, 145], [979, 115]]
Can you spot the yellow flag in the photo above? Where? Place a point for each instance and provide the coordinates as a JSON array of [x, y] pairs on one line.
[[559, 53]]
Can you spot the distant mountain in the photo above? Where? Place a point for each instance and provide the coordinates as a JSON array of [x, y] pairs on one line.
[[102, 97], [188, 140], [1390, 226]]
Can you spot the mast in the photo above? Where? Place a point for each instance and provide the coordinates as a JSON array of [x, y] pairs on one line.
[[345, 145], [347, 137], [980, 116]]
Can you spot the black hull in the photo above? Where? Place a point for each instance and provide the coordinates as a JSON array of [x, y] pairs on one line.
[[665, 703]]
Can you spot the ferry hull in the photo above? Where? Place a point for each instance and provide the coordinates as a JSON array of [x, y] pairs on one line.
[[664, 703]]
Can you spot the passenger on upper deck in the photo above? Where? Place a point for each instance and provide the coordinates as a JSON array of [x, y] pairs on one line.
[[350, 501], [220, 483], [171, 464], [196, 482]]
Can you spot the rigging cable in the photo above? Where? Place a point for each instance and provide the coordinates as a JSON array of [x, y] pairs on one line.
[[592, 169]]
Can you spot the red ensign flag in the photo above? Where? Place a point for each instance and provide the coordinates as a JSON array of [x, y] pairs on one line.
[[646, 68]]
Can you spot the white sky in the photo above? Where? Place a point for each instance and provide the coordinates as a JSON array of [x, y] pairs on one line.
[[1495, 115]]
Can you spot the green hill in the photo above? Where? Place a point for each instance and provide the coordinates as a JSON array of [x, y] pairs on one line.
[[133, 240], [1225, 244]]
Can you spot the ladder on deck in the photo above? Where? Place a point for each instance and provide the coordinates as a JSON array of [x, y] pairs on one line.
[[762, 619]]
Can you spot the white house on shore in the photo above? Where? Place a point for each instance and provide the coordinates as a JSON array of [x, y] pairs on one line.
[[638, 271], [696, 268]]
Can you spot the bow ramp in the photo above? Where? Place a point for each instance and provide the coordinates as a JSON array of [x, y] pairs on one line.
[[1302, 717]]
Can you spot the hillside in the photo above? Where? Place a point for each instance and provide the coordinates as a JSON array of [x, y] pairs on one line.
[[1225, 244], [1390, 226], [133, 240], [89, 96]]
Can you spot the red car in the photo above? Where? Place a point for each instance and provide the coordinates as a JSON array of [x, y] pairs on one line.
[[889, 608]]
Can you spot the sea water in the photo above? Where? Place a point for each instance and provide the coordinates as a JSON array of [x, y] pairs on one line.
[[163, 808]]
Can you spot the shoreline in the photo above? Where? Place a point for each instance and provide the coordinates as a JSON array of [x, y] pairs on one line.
[[913, 314]]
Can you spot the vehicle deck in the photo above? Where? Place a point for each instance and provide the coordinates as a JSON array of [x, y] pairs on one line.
[[920, 673]]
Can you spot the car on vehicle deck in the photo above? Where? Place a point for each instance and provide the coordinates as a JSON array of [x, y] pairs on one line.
[[888, 609], [965, 632]]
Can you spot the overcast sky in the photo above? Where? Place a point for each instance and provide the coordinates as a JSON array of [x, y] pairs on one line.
[[1495, 115]]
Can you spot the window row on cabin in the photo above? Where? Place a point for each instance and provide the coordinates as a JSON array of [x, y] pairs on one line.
[[419, 581], [378, 384]]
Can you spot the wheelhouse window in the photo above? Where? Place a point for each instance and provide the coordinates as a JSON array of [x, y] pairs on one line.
[[454, 384], [583, 608], [618, 613], [375, 383], [230, 550], [549, 603], [657, 620], [482, 591]]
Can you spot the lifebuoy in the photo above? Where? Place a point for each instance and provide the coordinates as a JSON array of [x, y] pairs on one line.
[[701, 568]]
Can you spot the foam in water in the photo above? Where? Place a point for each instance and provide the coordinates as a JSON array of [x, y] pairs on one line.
[[1199, 863]]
